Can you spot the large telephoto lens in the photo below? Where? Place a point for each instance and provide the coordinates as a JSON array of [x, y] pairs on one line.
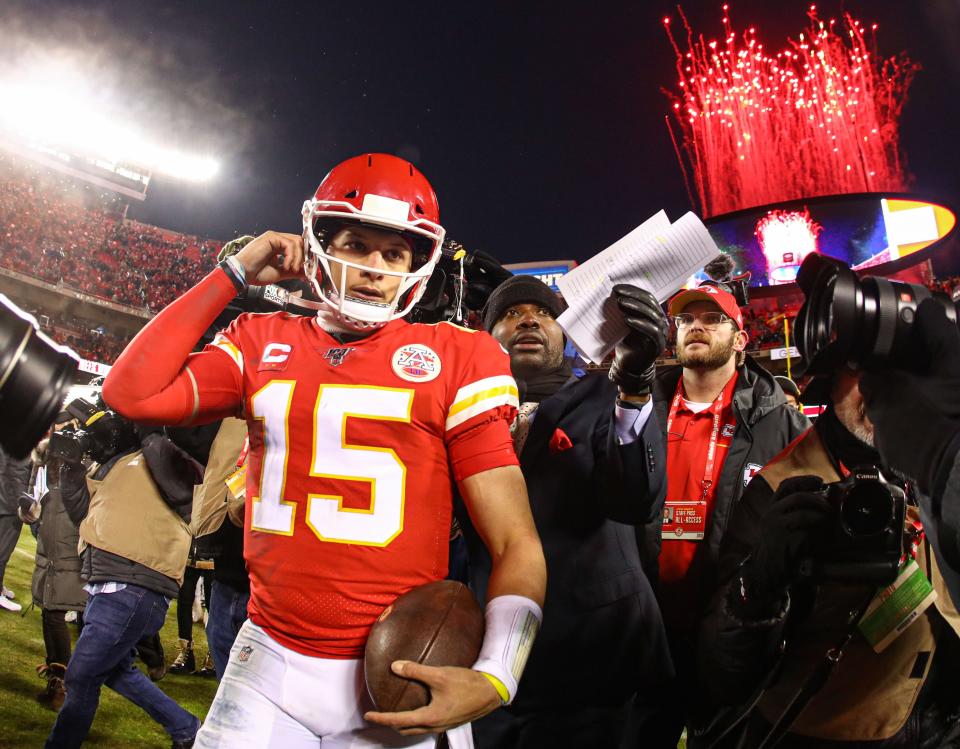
[[35, 374], [862, 322]]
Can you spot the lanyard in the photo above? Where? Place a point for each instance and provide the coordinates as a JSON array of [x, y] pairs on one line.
[[717, 408]]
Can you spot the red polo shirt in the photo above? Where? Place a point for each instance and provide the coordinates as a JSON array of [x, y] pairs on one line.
[[688, 440]]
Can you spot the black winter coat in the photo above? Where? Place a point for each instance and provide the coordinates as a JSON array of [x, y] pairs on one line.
[[57, 585], [601, 626]]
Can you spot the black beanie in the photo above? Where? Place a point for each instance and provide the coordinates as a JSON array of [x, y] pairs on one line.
[[519, 290]]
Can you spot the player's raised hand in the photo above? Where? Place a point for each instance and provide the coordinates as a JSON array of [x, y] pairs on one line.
[[272, 257], [457, 696]]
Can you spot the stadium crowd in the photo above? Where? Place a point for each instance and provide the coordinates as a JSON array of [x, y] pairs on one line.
[[74, 235]]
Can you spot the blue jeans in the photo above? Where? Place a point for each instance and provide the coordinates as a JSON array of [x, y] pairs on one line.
[[104, 653], [227, 613]]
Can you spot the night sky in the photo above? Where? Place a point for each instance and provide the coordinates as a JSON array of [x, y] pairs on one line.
[[540, 125]]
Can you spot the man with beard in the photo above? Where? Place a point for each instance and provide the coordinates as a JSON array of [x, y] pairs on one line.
[[778, 611], [592, 456], [723, 417]]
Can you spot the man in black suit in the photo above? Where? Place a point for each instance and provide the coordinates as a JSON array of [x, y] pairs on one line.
[[594, 462]]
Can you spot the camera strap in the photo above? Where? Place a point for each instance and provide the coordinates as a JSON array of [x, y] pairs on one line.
[[815, 681]]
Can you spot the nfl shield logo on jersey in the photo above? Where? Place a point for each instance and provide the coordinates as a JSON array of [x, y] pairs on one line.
[[244, 655], [416, 363], [336, 355]]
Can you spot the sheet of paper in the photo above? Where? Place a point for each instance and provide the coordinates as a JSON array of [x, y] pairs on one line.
[[659, 260], [586, 279]]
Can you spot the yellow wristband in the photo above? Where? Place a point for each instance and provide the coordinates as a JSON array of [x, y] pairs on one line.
[[498, 685]]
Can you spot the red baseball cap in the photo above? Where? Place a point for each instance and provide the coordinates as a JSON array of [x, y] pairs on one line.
[[708, 293]]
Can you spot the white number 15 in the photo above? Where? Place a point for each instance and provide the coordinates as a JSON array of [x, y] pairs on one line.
[[332, 458]]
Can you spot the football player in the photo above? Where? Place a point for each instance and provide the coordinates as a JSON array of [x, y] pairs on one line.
[[358, 423]]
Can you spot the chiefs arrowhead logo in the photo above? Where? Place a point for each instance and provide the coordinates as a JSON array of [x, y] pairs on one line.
[[416, 363]]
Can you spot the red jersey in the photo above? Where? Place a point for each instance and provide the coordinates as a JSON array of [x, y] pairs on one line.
[[352, 450]]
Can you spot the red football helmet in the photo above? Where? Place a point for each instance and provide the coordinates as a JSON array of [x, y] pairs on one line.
[[386, 193]]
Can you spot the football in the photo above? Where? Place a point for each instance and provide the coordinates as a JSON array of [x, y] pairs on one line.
[[437, 624]]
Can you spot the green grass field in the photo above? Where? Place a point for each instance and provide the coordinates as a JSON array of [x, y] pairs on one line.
[[119, 724]]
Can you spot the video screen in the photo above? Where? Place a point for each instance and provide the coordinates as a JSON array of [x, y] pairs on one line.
[[862, 230]]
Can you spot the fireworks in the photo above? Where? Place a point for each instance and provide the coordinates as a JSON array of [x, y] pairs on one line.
[[820, 117], [786, 238]]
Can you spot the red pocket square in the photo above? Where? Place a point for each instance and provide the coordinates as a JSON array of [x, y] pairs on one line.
[[560, 441]]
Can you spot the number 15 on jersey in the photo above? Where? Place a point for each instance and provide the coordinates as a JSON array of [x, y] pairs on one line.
[[332, 458]]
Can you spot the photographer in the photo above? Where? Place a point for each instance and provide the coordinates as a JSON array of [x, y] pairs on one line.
[[916, 416], [795, 579], [57, 586], [131, 508]]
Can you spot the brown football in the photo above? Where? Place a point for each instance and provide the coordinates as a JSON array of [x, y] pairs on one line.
[[437, 624]]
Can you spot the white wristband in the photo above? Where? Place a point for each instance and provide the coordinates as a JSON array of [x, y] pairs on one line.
[[512, 625]]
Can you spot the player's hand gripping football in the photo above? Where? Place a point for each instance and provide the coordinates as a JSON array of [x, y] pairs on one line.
[[272, 257], [458, 696]]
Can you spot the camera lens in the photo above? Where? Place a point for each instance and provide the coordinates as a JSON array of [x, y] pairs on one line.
[[35, 374], [860, 321], [866, 510]]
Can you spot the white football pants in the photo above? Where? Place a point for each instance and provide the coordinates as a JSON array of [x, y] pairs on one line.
[[272, 697]]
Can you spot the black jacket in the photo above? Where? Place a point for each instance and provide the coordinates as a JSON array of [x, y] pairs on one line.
[[941, 520], [174, 472], [602, 638], [765, 425], [56, 579], [14, 477]]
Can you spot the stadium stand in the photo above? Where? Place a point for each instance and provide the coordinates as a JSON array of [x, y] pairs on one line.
[[74, 234]]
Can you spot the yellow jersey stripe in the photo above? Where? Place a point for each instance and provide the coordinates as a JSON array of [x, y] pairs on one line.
[[483, 395], [503, 399]]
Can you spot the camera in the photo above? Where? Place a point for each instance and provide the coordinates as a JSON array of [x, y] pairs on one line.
[[866, 545], [104, 435], [859, 322], [461, 283], [35, 374]]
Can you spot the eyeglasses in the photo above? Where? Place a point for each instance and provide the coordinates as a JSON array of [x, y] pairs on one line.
[[709, 320]]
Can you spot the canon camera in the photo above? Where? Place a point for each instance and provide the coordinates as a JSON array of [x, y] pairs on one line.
[[866, 544]]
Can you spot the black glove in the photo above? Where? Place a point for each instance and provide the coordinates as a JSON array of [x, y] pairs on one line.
[[633, 366], [916, 415], [25, 503], [144, 431], [794, 524]]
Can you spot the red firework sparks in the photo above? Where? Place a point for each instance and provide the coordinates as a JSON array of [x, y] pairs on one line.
[[786, 238], [820, 117]]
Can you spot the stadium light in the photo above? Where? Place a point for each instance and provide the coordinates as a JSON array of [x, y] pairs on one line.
[[54, 107]]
